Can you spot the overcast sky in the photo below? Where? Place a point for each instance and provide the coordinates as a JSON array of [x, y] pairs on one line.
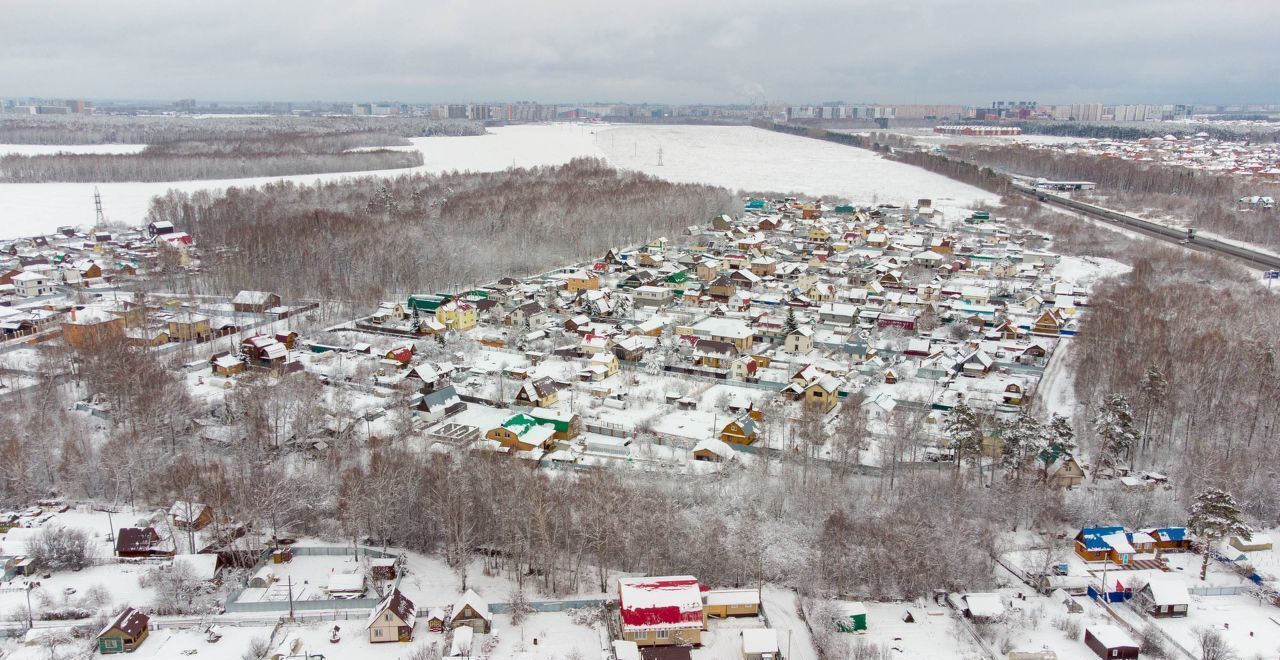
[[681, 51]]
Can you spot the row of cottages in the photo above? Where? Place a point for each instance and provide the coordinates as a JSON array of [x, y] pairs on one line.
[[661, 611], [1118, 546], [393, 619]]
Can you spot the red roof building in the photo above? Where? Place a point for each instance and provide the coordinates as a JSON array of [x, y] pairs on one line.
[[661, 610]]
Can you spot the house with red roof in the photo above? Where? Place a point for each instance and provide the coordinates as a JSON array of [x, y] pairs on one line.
[[661, 611]]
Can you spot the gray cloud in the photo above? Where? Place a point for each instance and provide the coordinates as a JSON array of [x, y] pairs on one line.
[[658, 50]]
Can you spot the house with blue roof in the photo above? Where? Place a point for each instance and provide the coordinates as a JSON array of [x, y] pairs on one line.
[[1171, 538], [1104, 544]]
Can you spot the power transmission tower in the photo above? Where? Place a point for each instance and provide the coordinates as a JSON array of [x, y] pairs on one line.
[[97, 204]]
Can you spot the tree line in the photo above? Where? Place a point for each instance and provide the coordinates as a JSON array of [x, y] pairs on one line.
[[366, 239], [114, 129]]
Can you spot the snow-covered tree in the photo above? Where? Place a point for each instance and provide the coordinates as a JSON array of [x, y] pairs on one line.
[[1116, 433], [1215, 516], [790, 325], [965, 433], [1023, 438]]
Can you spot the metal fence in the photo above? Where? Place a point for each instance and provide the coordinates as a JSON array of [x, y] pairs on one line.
[[1219, 591], [233, 606], [551, 605]]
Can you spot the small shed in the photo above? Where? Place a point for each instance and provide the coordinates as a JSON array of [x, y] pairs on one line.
[[124, 634], [435, 620], [722, 603], [383, 568], [853, 617], [263, 579], [1256, 542], [1110, 641]]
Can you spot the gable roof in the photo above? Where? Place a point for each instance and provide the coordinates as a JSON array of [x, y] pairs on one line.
[[472, 599], [131, 622], [399, 605], [673, 602], [136, 539]]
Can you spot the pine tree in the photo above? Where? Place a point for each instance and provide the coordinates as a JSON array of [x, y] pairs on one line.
[[1215, 516], [1116, 433], [791, 324], [1023, 438], [965, 433], [1059, 440]]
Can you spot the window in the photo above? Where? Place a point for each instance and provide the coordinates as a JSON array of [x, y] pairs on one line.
[[377, 632], [639, 635], [386, 617], [663, 634]]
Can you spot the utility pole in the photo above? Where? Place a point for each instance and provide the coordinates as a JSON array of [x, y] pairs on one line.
[[30, 623], [290, 597]]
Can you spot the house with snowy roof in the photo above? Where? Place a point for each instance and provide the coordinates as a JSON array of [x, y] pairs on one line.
[[522, 432], [1165, 596], [470, 611], [392, 620], [125, 633], [661, 611], [1104, 544]]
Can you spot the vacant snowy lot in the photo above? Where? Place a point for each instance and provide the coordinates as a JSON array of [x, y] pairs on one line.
[[739, 158], [752, 159]]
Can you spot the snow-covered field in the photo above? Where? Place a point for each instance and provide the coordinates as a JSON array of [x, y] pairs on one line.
[[745, 158], [734, 157]]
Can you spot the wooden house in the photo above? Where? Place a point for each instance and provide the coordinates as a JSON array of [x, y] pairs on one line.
[[1171, 539], [141, 542], [1064, 472], [255, 302], [225, 364], [661, 611], [1104, 544], [392, 620], [722, 603], [712, 450], [823, 393], [523, 433], [125, 633], [742, 430], [1165, 596], [190, 515], [1110, 642], [472, 612], [581, 280], [457, 315], [539, 393], [190, 327]]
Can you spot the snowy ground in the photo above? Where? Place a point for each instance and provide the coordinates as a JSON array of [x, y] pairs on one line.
[[745, 158], [735, 157]]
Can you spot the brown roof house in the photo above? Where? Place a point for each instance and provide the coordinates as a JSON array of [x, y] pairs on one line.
[[472, 612], [141, 542], [125, 634], [392, 620]]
